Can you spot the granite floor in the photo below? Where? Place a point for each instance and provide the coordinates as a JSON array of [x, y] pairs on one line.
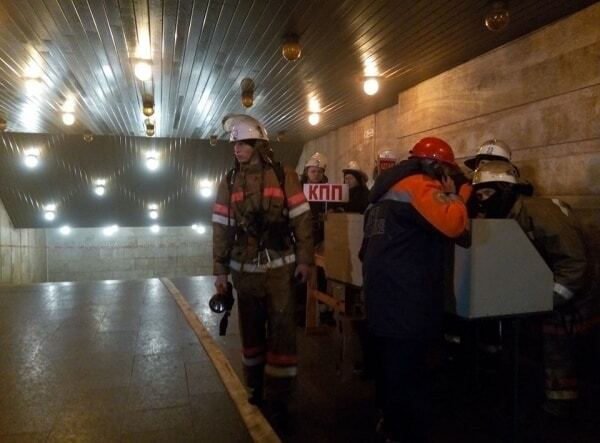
[[116, 361]]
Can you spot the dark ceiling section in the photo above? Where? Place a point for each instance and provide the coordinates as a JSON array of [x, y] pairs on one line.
[[69, 167], [200, 51]]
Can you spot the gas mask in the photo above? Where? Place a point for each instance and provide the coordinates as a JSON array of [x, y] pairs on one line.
[[499, 204]]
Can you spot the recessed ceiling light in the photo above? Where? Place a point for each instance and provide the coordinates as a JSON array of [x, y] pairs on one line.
[[65, 230], [50, 212], [152, 160], [371, 86], [154, 229], [314, 118], [143, 70], [206, 188], [68, 118], [100, 187], [31, 158]]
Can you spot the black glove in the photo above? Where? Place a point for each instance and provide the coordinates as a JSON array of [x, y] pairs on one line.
[[459, 179]]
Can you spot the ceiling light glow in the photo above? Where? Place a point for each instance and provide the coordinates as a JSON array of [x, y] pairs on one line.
[[32, 158], [100, 187], [143, 70], [50, 212], [65, 230], [68, 118], [152, 161], [371, 86], [314, 118], [155, 229]]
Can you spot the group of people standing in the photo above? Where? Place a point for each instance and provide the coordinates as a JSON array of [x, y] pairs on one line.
[[264, 232]]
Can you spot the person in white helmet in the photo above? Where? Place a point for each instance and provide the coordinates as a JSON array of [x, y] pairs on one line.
[[489, 150], [555, 232], [262, 235], [314, 172], [356, 179], [492, 150]]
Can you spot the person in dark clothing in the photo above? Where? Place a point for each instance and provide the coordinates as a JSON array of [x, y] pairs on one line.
[[414, 213], [357, 180], [314, 172]]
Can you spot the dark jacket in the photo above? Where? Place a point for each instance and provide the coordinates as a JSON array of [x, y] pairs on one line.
[[405, 231], [358, 199]]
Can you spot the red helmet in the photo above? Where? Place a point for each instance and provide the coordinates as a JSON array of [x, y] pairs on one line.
[[435, 149]]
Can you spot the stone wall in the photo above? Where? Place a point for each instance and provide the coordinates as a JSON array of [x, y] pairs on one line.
[[130, 253], [539, 93], [22, 253]]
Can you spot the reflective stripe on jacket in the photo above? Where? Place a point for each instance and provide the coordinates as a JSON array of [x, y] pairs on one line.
[[257, 203]]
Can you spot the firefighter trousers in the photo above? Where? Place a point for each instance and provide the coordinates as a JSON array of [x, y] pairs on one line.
[[266, 308]]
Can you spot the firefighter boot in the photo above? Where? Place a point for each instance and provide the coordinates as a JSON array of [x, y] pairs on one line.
[[254, 382]]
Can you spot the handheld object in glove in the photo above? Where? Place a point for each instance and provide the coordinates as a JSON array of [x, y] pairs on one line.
[[223, 303]]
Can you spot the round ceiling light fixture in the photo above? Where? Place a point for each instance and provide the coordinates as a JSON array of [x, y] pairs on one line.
[[314, 118], [100, 188], [291, 49], [155, 229], [149, 123], [143, 70], [371, 86], [68, 118], [32, 158], [65, 230], [152, 160], [497, 17], [153, 211], [247, 86], [50, 212], [88, 136]]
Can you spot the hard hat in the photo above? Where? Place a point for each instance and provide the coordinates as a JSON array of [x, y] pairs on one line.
[[495, 171], [352, 166], [433, 148], [318, 160], [492, 149], [386, 159], [243, 127]]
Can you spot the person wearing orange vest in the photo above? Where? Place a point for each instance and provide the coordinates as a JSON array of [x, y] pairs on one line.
[[414, 213], [262, 235]]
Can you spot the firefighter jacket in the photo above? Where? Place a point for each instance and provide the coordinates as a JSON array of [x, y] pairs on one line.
[[554, 231], [405, 234], [259, 224]]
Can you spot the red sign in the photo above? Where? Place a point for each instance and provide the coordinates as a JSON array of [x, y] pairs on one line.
[[326, 192], [386, 163]]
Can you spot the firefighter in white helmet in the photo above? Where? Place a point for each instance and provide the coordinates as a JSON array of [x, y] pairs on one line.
[[489, 150], [262, 235], [386, 159], [552, 227]]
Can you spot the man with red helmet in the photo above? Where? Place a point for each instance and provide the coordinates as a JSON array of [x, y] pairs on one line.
[[414, 213]]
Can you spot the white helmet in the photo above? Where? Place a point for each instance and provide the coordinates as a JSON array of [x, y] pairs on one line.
[[243, 127], [386, 159], [492, 149], [318, 160], [496, 171], [353, 166]]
